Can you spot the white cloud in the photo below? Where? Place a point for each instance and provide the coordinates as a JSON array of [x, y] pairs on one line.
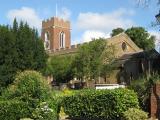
[[26, 14], [64, 13], [105, 21], [91, 34], [98, 25]]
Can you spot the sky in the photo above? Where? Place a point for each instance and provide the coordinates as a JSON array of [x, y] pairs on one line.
[[89, 18]]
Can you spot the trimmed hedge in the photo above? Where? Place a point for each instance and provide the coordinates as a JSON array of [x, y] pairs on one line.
[[100, 104], [13, 110], [135, 114]]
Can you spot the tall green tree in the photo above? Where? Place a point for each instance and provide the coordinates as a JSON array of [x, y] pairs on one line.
[[20, 49], [8, 56], [60, 67], [141, 37], [90, 59], [117, 31]]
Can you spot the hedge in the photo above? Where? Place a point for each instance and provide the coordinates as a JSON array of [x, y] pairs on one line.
[[134, 114], [100, 104], [13, 110]]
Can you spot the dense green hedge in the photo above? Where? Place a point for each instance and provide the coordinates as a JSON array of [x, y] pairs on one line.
[[13, 110], [134, 114], [100, 104]]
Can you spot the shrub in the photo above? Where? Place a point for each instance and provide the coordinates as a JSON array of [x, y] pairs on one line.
[[28, 86], [142, 87], [99, 104], [44, 112], [26, 119], [13, 110], [134, 114]]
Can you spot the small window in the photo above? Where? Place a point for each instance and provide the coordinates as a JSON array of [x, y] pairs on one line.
[[47, 41], [62, 40], [124, 46]]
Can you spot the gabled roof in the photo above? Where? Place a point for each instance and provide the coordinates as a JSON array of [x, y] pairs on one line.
[[123, 36]]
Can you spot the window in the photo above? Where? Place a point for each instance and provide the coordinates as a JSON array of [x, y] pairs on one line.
[[47, 41], [62, 40], [124, 46]]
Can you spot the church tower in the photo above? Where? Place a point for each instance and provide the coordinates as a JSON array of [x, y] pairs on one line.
[[56, 34]]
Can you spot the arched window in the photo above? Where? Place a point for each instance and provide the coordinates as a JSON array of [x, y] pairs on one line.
[[62, 40], [47, 41]]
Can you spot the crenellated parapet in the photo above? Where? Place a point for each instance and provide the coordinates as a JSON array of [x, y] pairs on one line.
[[55, 22]]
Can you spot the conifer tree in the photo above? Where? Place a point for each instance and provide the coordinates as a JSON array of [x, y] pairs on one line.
[[20, 49]]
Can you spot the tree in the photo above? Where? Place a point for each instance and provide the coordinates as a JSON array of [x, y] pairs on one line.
[[141, 37], [20, 49], [90, 59], [117, 31], [8, 56], [146, 2], [60, 67]]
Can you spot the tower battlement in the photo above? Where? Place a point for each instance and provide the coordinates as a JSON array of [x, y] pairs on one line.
[[55, 22], [56, 34]]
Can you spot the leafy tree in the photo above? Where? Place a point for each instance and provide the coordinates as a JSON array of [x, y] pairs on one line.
[[90, 59], [108, 58], [141, 37], [20, 49], [60, 67], [117, 31]]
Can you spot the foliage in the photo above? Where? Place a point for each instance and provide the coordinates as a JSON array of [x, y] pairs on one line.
[[28, 86], [141, 37], [117, 31], [90, 59], [44, 112], [60, 68], [99, 104], [20, 49], [8, 56], [135, 114], [13, 110], [26, 119], [147, 2], [142, 87]]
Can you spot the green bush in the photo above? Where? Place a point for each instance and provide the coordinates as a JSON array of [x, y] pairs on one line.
[[28, 86], [100, 104], [13, 110], [44, 112], [135, 114], [26, 119]]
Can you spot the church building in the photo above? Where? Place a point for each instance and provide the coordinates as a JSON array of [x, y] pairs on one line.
[[131, 60]]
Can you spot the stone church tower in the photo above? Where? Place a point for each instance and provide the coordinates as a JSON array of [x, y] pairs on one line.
[[56, 34]]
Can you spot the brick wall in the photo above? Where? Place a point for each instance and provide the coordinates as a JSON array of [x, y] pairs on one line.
[[54, 27], [155, 101]]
